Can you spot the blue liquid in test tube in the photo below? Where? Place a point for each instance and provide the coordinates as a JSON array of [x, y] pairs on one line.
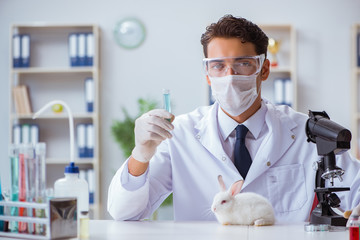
[[14, 191], [166, 100], [167, 105]]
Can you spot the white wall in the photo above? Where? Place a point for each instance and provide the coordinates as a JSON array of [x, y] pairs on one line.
[[171, 55]]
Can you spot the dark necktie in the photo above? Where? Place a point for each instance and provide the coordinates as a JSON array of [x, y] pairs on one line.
[[242, 156]]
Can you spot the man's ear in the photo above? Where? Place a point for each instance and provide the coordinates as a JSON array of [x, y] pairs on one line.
[[265, 71], [208, 80]]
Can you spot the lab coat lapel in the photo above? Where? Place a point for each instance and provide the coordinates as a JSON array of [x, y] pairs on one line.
[[207, 132], [279, 139]]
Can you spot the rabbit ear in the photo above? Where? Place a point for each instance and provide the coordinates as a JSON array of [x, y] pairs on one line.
[[221, 183], [236, 187]]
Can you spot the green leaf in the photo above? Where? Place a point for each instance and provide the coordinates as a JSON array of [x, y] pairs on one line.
[[168, 201]]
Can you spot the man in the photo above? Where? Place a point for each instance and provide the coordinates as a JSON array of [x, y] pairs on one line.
[[186, 156]]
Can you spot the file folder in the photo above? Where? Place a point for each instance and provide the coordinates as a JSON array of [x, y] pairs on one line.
[[25, 50], [358, 49], [89, 140], [73, 49], [89, 94], [82, 174], [34, 133], [25, 133], [91, 182], [279, 91], [16, 51], [283, 93], [81, 48], [81, 140], [288, 92], [17, 134], [89, 49]]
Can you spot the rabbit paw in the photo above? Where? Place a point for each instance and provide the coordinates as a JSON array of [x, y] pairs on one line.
[[260, 222], [347, 214]]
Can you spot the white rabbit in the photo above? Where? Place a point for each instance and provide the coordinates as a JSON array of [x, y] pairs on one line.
[[248, 208]]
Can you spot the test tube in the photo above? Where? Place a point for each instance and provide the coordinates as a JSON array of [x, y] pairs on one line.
[[22, 226], [30, 183], [14, 181], [40, 184], [166, 100], [84, 225], [35, 182]]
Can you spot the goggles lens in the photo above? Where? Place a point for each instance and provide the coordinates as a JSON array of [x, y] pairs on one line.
[[218, 67]]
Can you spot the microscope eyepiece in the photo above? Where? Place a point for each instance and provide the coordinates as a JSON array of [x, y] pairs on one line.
[[328, 135]]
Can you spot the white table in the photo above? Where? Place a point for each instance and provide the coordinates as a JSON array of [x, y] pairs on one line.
[[168, 230]]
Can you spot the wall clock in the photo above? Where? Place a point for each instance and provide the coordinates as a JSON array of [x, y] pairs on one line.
[[129, 33]]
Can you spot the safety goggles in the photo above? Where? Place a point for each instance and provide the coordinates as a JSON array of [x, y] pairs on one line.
[[245, 65]]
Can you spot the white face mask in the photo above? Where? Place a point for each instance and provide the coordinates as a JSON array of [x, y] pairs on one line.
[[235, 93]]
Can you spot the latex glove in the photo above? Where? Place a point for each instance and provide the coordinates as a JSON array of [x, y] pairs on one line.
[[151, 129]]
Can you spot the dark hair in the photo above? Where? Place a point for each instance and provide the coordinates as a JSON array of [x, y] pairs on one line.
[[233, 27]]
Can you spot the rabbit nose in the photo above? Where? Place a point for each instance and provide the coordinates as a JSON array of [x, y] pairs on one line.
[[214, 209]]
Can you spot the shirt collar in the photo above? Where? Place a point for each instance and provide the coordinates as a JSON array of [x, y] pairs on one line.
[[254, 123]]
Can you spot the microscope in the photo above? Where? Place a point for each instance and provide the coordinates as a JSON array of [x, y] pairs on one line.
[[330, 139]]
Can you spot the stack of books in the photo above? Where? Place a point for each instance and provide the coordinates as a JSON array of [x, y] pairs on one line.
[[22, 99]]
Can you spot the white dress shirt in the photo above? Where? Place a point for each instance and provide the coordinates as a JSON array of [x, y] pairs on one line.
[[257, 131]]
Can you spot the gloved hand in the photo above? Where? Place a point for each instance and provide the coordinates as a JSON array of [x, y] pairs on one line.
[[151, 129]]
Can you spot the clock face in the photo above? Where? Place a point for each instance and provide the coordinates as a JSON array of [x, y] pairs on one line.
[[129, 33]]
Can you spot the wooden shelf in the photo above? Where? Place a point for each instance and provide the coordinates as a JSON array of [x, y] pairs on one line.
[[39, 70], [54, 116], [280, 70], [65, 161]]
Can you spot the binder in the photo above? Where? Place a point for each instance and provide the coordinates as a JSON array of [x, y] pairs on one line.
[[17, 134], [89, 140], [81, 48], [211, 97], [16, 51], [25, 133], [358, 49], [288, 92], [89, 49], [25, 50], [279, 91], [89, 94], [81, 136], [91, 182], [82, 174], [73, 49], [34, 133]]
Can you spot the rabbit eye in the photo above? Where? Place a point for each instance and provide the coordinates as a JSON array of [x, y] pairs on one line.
[[223, 201]]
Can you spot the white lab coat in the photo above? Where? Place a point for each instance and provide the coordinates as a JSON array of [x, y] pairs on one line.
[[188, 165]]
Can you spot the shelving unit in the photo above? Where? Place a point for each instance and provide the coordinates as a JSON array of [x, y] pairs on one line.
[[355, 99], [50, 77], [286, 56]]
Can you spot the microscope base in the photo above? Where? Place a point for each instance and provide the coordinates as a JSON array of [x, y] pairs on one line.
[[336, 220]]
